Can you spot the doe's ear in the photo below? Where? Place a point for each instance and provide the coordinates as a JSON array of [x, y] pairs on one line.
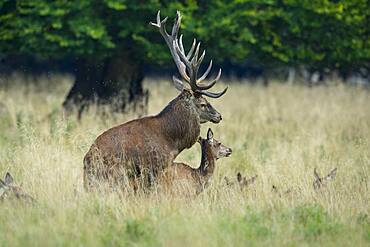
[[316, 175], [2, 184], [199, 140], [8, 178], [209, 134], [239, 177]]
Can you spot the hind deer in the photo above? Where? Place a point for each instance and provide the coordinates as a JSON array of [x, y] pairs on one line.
[[181, 176], [242, 181], [8, 191], [141, 148]]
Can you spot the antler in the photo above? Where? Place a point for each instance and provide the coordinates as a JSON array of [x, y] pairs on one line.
[[187, 64]]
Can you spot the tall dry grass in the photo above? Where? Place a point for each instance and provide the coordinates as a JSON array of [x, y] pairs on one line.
[[280, 133]]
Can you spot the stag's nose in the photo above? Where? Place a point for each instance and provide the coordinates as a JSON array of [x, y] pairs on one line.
[[219, 117], [216, 119]]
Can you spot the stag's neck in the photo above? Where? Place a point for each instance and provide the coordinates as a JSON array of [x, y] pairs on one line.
[[207, 163], [180, 123]]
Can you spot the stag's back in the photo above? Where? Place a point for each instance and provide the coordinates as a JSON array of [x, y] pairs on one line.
[[118, 152]]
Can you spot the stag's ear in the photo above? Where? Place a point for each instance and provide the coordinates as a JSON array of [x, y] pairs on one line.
[[199, 140], [178, 83], [209, 135], [8, 178]]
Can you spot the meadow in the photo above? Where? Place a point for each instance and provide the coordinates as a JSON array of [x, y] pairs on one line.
[[280, 133]]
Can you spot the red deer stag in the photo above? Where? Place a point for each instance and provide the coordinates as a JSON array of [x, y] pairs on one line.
[[141, 148], [181, 177]]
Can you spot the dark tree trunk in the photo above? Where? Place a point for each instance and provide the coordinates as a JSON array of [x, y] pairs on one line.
[[265, 80], [116, 82]]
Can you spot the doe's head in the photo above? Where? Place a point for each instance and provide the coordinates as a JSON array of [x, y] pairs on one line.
[[218, 149], [9, 191]]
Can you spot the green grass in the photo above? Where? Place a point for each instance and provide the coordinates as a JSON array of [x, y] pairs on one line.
[[279, 133]]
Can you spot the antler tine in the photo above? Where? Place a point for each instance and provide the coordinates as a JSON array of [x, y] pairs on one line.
[[182, 63], [213, 95], [211, 83], [181, 45], [159, 16], [162, 27], [171, 39], [176, 25], [195, 64], [195, 57], [205, 74], [198, 63], [178, 83], [186, 64], [158, 20], [190, 53], [181, 54]]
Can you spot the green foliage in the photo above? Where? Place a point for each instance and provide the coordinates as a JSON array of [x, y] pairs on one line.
[[128, 233], [314, 222], [318, 34], [252, 226], [364, 220]]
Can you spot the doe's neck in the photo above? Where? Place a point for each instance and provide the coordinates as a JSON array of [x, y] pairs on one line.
[[208, 161]]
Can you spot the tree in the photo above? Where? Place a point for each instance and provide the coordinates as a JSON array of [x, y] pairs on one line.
[[110, 40], [319, 35]]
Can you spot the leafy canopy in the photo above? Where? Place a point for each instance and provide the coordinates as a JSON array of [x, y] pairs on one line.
[[317, 34]]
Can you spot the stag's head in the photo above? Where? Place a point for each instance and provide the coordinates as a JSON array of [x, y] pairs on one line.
[[188, 66], [217, 148], [9, 191]]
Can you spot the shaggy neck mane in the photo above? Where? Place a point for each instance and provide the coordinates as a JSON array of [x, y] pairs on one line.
[[180, 122], [207, 163]]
